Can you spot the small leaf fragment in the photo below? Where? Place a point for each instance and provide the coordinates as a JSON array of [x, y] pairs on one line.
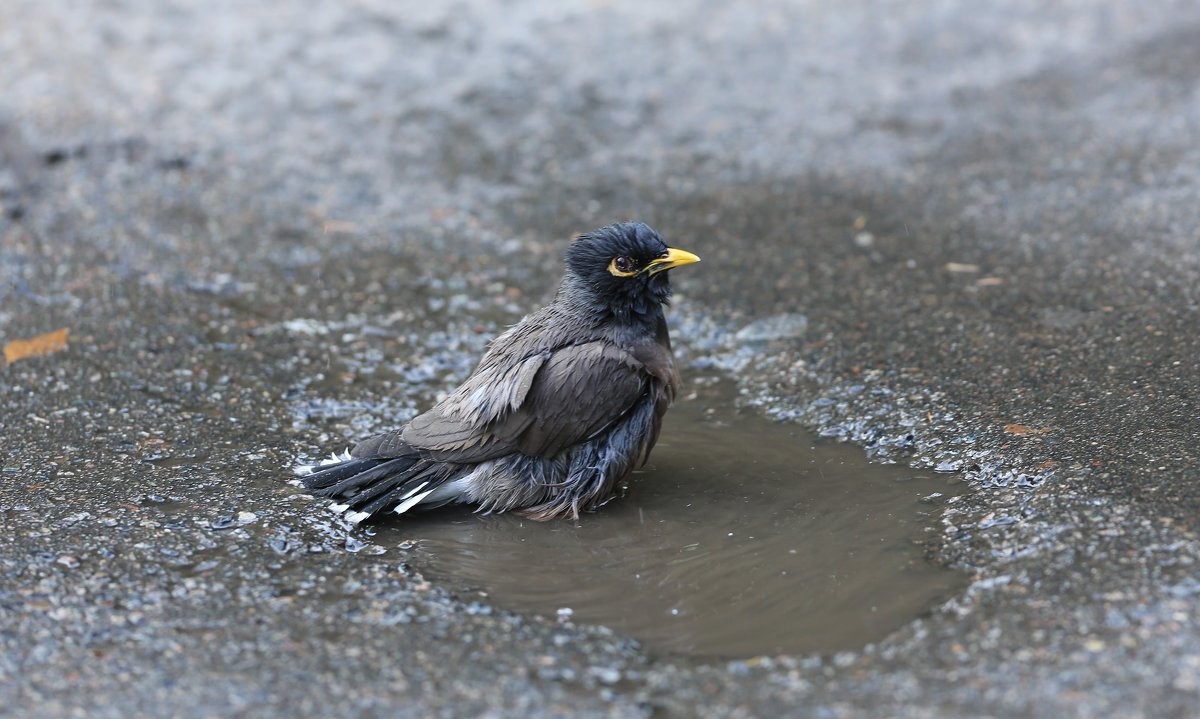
[[36, 346], [1020, 429]]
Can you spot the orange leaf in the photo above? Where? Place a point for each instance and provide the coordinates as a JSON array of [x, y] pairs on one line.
[[40, 345], [1022, 429]]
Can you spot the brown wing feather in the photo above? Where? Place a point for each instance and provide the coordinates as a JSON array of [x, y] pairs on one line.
[[540, 407], [460, 422], [578, 392], [533, 394]]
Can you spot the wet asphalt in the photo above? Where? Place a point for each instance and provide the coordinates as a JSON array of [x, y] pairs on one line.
[[965, 238]]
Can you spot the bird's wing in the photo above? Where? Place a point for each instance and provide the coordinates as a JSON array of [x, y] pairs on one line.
[[462, 420], [579, 391], [467, 420], [539, 405]]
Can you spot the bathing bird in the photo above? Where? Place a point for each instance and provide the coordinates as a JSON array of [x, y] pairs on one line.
[[559, 412]]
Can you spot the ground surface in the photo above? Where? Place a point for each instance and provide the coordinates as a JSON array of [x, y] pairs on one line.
[[987, 217]]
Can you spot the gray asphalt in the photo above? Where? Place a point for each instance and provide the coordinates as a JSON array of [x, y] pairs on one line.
[[972, 232]]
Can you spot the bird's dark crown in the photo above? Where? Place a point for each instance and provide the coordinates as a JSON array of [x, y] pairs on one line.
[[612, 268]]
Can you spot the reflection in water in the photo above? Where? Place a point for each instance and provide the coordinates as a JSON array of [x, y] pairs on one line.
[[739, 538]]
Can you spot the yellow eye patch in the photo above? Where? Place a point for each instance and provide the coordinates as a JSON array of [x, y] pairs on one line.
[[622, 267]]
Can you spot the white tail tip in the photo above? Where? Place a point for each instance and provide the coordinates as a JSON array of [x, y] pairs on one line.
[[412, 502]]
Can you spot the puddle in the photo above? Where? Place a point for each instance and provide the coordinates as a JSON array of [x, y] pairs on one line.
[[741, 537]]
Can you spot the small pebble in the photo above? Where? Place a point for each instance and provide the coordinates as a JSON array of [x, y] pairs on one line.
[[606, 675]]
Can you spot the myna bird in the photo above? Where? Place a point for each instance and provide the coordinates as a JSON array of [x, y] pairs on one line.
[[562, 408]]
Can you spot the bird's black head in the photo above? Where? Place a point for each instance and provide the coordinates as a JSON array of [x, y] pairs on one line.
[[622, 269]]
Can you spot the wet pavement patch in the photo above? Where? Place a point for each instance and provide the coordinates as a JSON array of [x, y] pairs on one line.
[[960, 236], [741, 537]]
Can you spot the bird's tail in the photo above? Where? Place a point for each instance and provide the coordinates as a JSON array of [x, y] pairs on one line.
[[364, 487]]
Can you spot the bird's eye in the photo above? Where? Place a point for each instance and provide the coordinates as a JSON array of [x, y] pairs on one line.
[[622, 267]]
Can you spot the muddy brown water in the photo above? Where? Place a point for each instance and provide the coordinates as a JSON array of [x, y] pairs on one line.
[[741, 537]]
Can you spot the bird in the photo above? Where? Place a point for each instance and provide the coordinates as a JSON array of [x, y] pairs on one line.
[[560, 410]]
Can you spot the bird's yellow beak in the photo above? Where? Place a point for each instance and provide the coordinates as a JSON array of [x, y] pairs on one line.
[[672, 258]]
